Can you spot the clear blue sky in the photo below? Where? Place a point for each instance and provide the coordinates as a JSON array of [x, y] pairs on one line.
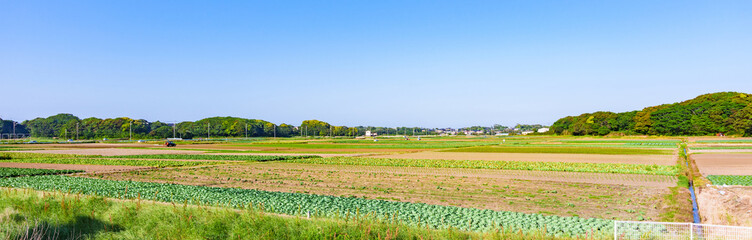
[[383, 63]]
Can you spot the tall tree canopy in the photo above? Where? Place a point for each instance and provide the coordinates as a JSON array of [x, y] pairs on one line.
[[724, 112]]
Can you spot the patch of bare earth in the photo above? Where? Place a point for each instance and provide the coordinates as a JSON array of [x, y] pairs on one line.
[[485, 189], [724, 164], [86, 168], [725, 205], [539, 157]]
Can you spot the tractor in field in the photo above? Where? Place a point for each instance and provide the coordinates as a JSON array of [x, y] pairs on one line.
[[169, 144]]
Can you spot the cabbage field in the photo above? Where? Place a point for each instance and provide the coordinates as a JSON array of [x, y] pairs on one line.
[[731, 180], [296, 204]]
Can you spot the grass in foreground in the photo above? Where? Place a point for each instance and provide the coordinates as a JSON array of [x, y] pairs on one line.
[[565, 150], [56, 215], [501, 165]]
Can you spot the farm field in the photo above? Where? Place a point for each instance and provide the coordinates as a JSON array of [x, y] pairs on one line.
[[556, 195], [724, 164], [727, 165], [571, 188], [666, 160]]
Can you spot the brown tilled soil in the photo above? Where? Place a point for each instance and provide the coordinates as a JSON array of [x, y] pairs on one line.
[[484, 189], [724, 164], [725, 205], [87, 168], [113, 151], [539, 157]]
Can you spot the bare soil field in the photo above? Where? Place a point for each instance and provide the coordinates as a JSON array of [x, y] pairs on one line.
[[539, 157], [725, 205], [112, 151], [87, 168], [474, 188], [724, 164]]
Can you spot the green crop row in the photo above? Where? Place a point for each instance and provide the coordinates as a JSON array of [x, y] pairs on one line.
[[565, 150], [501, 165], [16, 172], [257, 158], [111, 162], [730, 180], [297, 204]]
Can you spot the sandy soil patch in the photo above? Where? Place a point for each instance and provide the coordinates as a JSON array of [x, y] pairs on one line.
[[87, 168], [539, 157], [725, 205], [724, 164], [477, 189], [113, 151]]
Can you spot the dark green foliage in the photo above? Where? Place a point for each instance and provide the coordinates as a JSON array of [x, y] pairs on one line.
[[724, 112], [16, 172]]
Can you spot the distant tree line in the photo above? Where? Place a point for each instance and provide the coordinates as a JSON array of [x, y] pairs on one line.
[[68, 126], [725, 112]]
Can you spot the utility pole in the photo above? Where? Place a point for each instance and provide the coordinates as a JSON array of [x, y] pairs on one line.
[[14, 129], [275, 131], [208, 130], [174, 125], [76, 130], [246, 130], [130, 131]]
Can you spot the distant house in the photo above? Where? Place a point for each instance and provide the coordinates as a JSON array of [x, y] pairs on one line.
[[370, 134], [542, 130], [502, 134], [527, 132]]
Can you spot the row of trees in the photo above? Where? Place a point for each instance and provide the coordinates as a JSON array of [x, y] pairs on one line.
[[69, 126], [725, 112]]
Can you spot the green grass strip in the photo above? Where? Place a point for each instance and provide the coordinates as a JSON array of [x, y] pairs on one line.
[[500, 165], [565, 150], [258, 158]]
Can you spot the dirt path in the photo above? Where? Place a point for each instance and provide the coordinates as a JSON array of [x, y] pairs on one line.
[[539, 157], [726, 205]]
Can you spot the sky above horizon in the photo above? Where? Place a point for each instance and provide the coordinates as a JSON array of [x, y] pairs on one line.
[[371, 63]]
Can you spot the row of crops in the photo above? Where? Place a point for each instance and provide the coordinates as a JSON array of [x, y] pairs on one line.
[[499, 165], [434, 216], [566, 149], [731, 180], [111, 162], [16, 172], [257, 158]]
